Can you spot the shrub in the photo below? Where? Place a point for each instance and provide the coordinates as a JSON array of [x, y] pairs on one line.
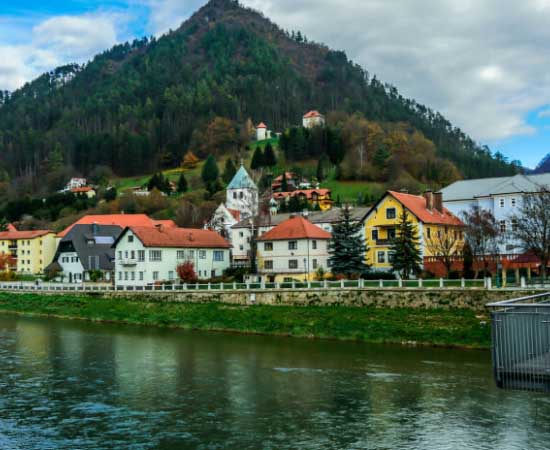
[[186, 272]]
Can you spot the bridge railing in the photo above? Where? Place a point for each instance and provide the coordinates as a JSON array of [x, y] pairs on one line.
[[521, 343], [249, 286]]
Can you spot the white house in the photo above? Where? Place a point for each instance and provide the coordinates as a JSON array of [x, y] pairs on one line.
[[241, 233], [75, 183], [313, 119], [293, 250], [85, 249], [150, 255], [241, 202], [501, 196], [262, 133]]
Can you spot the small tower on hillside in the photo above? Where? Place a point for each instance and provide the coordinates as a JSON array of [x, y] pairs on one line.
[[242, 194], [261, 132]]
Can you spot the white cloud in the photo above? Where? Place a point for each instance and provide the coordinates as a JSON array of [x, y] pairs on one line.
[[169, 14], [55, 41], [544, 113]]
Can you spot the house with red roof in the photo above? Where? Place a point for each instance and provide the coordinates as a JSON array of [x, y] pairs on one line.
[[313, 119], [293, 250], [147, 255], [438, 230], [262, 133]]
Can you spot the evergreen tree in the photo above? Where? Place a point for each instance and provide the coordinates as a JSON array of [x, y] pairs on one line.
[[3, 224], [284, 183], [182, 184], [347, 248], [405, 255], [110, 194], [321, 167], [335, 147], [270, 160], [468, 258], [229, 171], [210, 171], [160, 182], [257, 159]]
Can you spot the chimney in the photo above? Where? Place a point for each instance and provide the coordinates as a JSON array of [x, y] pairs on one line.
[[438, 201], [429, 196], [159, 227]]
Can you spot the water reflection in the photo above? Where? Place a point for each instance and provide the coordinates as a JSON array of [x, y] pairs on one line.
[[70, 385]]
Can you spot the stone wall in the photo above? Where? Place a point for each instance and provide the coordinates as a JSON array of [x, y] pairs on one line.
[[474, 299]]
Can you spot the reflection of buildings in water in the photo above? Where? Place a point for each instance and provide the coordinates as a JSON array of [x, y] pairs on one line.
[[34, 344], [145, 367]]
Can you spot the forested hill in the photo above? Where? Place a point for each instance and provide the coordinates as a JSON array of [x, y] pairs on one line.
[[135, 107]]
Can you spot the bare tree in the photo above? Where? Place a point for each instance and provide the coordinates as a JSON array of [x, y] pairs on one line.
[[531, 226], [446, 245], [483, 235]]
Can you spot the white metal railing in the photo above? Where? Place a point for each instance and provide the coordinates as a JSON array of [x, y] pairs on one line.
[[340, 284]]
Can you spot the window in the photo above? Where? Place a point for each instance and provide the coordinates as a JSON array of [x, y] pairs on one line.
[[130, 238], [202, 254], [171, 275], [501, 202], [141, 276], [381, 257], [292, 263], [314, 245], [126, 254], [180, 254], [513, 202], [314, 264], [293, 245], [429, 232], [234, 195], [125, 276], [391, 233], [133, 254], [514, 225], [241, 234], [120, 276], [119, 255], [268, 246], [391, 213], [141, 255], [132, 276], [502, 226], [268, 264], [241, 195], [374, 235], [213, 274], [218, 255], [155, 276], [191, 254], [241, 247], [155, 255]]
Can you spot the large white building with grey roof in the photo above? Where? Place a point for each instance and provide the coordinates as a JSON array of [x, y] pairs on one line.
[[501, 196]]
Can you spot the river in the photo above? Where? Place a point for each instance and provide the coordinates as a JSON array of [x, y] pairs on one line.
[[75, 385]]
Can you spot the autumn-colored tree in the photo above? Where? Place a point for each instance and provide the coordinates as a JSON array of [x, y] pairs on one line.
[[190, 161], [220, 137], [186, 272]]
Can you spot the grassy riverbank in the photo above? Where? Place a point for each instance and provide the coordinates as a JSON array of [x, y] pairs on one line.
[[436, 326]]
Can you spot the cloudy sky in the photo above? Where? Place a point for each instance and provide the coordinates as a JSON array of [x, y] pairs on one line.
[[482, 63]]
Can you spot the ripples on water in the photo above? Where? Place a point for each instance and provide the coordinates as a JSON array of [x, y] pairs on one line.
[[66, 385]]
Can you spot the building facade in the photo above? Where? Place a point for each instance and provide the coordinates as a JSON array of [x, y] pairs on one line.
[[313, 119], [31, 251], [150, 255], [293, 250], [435, 225]]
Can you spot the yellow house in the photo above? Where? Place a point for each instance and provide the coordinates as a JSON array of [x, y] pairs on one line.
[[439, 231], [31, 251]]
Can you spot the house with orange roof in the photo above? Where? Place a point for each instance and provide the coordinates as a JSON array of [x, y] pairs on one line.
[[150, 255], [262, 133], [313, 119], [88, 191], [437, 228], [293, 250], [30, 251]]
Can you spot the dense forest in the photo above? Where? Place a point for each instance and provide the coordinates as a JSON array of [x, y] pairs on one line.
[[140, 106]]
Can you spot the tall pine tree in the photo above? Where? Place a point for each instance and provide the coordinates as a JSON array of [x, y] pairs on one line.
[[257, 159], [229, 171], [270, 160], [347, 247], [405, 255], [182, 184], [210, 174]]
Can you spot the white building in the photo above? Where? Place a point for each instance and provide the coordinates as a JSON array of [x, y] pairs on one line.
[[293, 250], [75, 183], [262, 133], [500, 196], [241, 202], [313, 119], [241, 233], [151, 255]]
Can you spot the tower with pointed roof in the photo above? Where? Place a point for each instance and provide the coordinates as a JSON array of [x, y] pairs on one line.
[[261, 132], [242, 194]]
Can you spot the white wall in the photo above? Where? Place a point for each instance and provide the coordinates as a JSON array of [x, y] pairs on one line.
[[130, 271], [243, 200], [281, 255], [240, 242], [71, 266]]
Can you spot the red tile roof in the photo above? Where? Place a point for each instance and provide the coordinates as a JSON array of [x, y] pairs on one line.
[[312, 114], [295, 228], [235, 213], [179, 237], [31, 234], [122, 220], [82, 189], [289, 176], [307, 192], [262, 125], [416, 204], [11, 227]]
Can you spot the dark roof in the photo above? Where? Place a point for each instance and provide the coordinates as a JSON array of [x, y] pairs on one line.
[[78, 238], [331, 216]]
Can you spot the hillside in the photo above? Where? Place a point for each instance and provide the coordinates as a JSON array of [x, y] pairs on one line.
[[138, 107]]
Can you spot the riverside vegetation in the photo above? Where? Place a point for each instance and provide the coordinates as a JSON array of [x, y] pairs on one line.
[[457, 327]]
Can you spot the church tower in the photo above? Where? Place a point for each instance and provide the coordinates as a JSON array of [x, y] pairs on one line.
[[242, 194]]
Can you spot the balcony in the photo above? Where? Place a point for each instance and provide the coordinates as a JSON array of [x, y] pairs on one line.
[[128, 261], [521, 343]]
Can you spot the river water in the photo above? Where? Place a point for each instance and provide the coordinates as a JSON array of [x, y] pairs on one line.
[[72, 385]]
